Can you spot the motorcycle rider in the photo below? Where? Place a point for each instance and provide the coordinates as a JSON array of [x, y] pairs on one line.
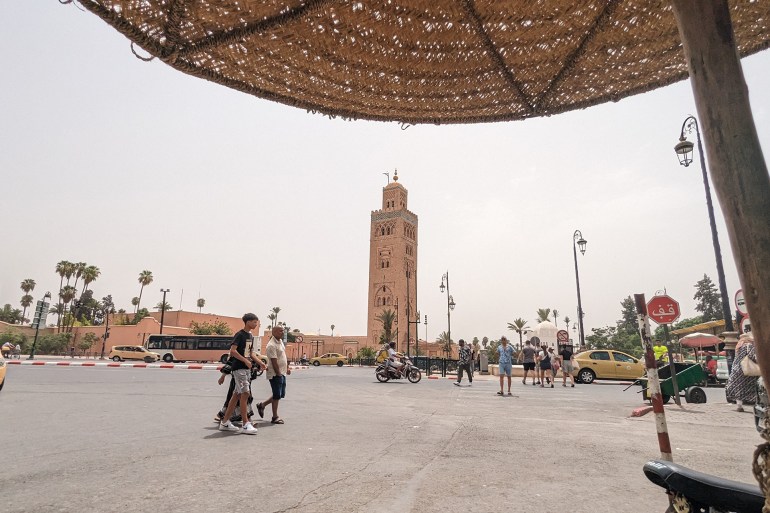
[[393, 359]]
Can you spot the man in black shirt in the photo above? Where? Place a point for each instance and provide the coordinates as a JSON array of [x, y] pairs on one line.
[[567, 366], [242, 356]]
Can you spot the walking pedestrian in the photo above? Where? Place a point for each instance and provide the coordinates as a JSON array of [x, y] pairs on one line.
[[567, 366], [545, 367], [243, 358], [555, 365], [741, 386], [527, 355], [277, 370], [465, 356], [505, 363]]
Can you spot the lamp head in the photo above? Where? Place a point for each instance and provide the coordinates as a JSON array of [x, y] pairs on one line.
[[451, 303], [442, 287], [683, 151], [582, 245]]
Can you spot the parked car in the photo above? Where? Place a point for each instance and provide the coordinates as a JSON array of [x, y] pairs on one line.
[[329, 359], [120, 353], [3, 367], [606, 364]]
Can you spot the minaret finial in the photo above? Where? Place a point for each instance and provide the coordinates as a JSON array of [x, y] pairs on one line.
[[395, 175]]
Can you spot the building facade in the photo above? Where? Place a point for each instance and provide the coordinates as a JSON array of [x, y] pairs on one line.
[[393, 267]]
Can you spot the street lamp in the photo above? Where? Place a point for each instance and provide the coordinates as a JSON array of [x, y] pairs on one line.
[[684, 151], [450, 305], [579, 242], [163, 308]]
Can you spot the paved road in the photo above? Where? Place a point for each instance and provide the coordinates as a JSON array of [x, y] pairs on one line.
[[135, 440]]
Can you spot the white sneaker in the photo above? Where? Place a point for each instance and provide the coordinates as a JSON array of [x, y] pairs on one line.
[[248, 429], [228, 426]]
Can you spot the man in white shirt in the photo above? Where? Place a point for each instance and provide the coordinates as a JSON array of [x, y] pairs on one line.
[[277, 370]]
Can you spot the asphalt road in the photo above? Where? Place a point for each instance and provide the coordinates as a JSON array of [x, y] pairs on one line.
[[135, 440]]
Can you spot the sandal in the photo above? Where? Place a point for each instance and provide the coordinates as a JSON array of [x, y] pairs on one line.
[[261, 410], [499, 393], [276, 420], [510, 394]]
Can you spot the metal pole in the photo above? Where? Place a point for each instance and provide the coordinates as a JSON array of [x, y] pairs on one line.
[[577, 282], [34, 343], [448, 315], [672, 368], [106, 331], [163, 309], [714, 236], [408, 308], [653, 383]]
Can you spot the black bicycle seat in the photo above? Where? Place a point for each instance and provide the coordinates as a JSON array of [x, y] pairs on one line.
[[705, 490]]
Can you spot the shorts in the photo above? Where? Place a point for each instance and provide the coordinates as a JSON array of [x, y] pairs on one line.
[[278, 386], [545, 366], [528, 366], [505, 369], [242, 380], [567, 368]]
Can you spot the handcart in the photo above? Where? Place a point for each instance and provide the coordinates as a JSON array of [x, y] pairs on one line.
[[688, 377]]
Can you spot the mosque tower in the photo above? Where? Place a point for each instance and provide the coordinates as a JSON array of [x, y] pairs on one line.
[[393, 266]]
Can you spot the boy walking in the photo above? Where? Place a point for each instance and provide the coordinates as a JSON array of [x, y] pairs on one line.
[[243, 357], [464, 364]]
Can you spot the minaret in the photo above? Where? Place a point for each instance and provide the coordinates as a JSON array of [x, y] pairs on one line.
[[393, 265]]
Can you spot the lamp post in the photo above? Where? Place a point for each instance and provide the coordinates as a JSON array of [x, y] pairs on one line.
[[42, 315], [450, 305], [579, 241], [684, 151], [163, 308], [409, 320], [107, 307], [426, 335]]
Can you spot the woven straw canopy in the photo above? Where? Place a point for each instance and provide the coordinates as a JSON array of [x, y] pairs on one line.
[[424, 61]]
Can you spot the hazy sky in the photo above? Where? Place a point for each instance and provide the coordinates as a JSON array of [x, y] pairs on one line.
[[130, 165]]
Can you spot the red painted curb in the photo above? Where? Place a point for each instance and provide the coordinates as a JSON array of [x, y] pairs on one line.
[[118, 365], [88, 364], [63, 363], [170, 366], [195, 367], [432, 377], [641, 411], [17, 362], [43, 363], [141, 365]]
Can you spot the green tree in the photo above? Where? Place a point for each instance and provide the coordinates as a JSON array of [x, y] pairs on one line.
[[492, 355], [519, 325], [555, 317], [53, 343], [333, 329], [78, 271], [67, 294], [135, 302], [27, 286], [543, 314], [708, 302], [201, 303], [366, 353], [15, 337], [475, 345], [63, 268], [272, 318], [163, 306], [139, 315], [445, 343], [566, 322], [485, 342], [10, 315], [386, 318], [90, 274], [145, 278], [210, 328], [275, 311], [628, 320], [26, 300], [87, 342]]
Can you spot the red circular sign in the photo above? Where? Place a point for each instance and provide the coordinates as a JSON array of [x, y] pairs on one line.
[[562, 336], [663, 309]]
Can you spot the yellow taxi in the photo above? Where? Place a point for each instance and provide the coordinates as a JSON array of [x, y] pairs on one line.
[[3, 367], [329, 359], [606, 364], [120, 353]]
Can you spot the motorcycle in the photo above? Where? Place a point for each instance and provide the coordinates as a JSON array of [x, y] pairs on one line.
[[385, 372], [691, 491]]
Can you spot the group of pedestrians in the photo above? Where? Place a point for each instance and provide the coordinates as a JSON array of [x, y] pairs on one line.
[[544, 364], [243, 364]]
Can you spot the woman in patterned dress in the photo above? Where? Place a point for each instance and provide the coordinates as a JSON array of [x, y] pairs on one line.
[[740, 387]]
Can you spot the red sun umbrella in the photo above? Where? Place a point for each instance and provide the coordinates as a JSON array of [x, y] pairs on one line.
[[700, 340]]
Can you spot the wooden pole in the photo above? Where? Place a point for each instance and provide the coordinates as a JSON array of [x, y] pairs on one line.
[[738, 168], [653, 383]]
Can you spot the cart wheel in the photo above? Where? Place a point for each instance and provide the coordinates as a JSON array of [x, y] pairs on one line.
[[695, 395], [666, 398]]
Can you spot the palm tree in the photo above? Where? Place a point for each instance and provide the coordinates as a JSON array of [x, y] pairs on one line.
[[61, 270], [555, 317], [67, 294], [26, 300], [542, 314], [272, 318], [201, 303], [163, 306], [386, 317], [90, 273], [276, 309], [518, 325], [145, 278], [445, 342], [27, 286], [485, 342], [134, 302], [78, 270], [566, 321], [332, 330]]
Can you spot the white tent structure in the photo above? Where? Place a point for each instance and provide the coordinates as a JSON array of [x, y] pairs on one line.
[[545, 332]]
